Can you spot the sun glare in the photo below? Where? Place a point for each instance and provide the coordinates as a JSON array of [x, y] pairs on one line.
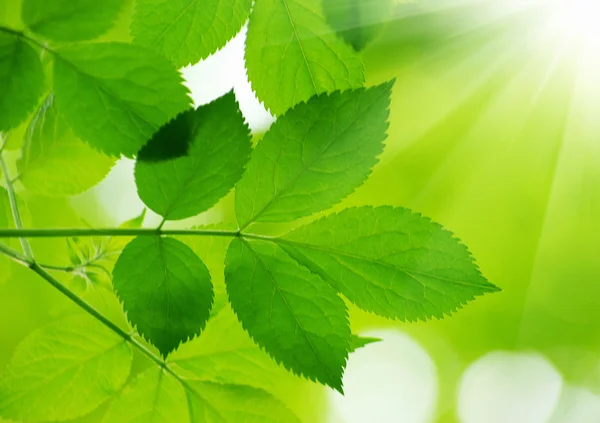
[[578, 19]]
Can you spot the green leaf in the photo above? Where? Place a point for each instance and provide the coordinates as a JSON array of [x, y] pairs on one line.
[[186, 31], [21, 80], [54, 161], [357, 22], [357, 342], [215, 403], [116, 96], [226, 354], [389, 261], [292, 54], [154, 396], [314, 156], [67, 20], [214, 144], [290, 312], [63, 371], [165, 289]]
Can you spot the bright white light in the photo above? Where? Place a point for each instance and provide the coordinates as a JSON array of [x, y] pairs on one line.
[[578, 19], [507, 387], [391, 381]]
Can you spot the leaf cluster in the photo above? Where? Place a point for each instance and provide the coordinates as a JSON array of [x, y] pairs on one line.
[[84, 103]]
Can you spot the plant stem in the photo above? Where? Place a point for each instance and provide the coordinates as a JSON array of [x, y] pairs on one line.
[[66, 269], [15, 255], [69, 232], [14, 208], [39, 269], [96, 314]]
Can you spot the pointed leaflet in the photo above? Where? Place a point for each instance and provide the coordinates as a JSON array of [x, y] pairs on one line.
[[314, 156], [389, 261], [21, 80], [359, 342], [155, 396], [115, 96], [357, 22], [165, 289], [68, 20], [186, 31], [63, 371], [292, 54], [211, 146], [294, 315], [54, 161]]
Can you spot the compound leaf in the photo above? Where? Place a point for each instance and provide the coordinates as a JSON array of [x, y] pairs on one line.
[[389, 261], [21, 80], [115, 96], [186, 31], [67, 20], [357, 22], [293, 314], [165, 289], [314, 155], [54, 161], [194, 160], [63, 371], [154, 396], [292, 54]]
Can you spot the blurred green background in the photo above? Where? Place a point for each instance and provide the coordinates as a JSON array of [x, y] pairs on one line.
[[495, 133]]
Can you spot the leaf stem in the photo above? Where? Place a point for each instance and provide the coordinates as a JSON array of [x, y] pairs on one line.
[[14, 208], [81, 232]]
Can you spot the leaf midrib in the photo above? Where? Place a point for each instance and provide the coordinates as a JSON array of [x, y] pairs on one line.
[[293, 25], [408, 272], [291, 183], [264, 266]]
